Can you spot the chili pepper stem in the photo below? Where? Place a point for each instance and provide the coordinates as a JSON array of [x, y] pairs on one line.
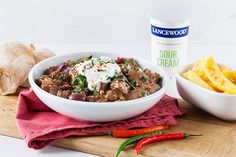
[[109, 133], [196, 135], [186, 135]]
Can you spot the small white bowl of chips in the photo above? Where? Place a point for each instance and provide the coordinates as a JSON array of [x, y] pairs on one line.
[[209, 86]]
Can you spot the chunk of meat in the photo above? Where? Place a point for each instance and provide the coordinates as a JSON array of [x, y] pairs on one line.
[[135, 94], [45, 87], [119, 90], [135, 75], [151, 87], [102, 99], [64, 93], [129, 64], [77, 96], [139, 77], [112, 95], [121, 86], [115, 95], [153, 76], [65, 87], [53, 89], [39, 80], [46, 83], [104, 86], [65, 67], [61, 76], [49, 70], [121, 60], [133, 64], [91, 98], [51, 84]]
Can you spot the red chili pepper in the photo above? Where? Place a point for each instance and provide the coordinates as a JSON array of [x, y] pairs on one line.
[[160, 137], [137, 132]]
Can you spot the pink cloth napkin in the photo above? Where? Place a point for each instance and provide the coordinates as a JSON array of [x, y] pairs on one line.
[[39, 125]]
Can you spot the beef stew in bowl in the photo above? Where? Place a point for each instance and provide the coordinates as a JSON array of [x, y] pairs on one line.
[[93, 110], [100, 79]]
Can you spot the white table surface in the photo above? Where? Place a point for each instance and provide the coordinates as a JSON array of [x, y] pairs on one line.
[[12, 147]]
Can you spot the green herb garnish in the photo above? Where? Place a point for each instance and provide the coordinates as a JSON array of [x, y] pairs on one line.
[[126, 63], [126, 75], [96, 94], [143, 79], [79, 81], [144, 93], [89, 57], [76, 90], [111, 78], [61, 78], [127, 81], [137, 69], [134, 83]]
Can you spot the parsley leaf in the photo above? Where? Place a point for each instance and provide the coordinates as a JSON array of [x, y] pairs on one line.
[[111, 78], [127, 81], [134, 83], [76, 90], [144, 93], [79, 81], [89, 57], [126, 63], [143, 79], [61, 78]]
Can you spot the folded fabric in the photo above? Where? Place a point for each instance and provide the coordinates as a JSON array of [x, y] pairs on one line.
[[40, 125]]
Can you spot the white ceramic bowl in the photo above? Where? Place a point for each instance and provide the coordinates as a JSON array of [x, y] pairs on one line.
[[94, 111], [220, 105]]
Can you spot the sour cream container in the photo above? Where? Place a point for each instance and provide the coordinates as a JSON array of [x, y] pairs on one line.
[[169, 40]]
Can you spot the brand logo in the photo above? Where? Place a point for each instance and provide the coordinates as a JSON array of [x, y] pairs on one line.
[[169, 32]]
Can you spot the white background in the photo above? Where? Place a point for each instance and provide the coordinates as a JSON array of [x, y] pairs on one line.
[[120, 26], [112, 21]]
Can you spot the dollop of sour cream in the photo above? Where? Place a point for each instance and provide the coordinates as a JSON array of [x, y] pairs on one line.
[[97, 71]]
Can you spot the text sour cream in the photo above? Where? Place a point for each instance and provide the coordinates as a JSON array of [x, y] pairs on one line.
[[97, 71]]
